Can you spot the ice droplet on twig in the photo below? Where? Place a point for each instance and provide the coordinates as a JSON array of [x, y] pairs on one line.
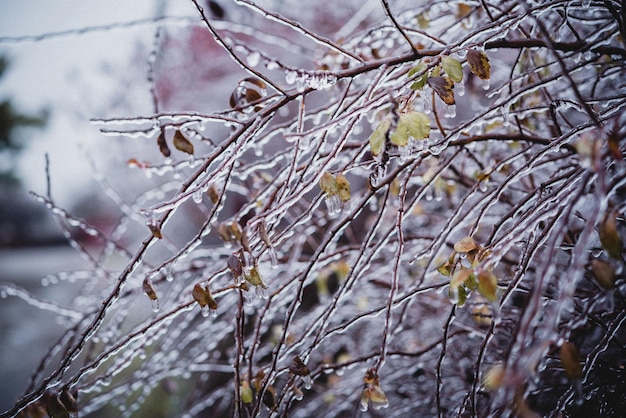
[[253, 59], [486, 84], [449, 111]]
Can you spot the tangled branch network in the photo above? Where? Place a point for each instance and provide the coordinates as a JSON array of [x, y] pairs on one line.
[[408, 209]]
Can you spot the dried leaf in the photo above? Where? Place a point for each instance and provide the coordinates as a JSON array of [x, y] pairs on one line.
[[148, 289], [379, 136], [494, 377], [203, 296], [479, 64], [182, 144], [465, 245], [453, 68], [443, 87], [213, 194], [488, 285], [269, 398], [570, 358]]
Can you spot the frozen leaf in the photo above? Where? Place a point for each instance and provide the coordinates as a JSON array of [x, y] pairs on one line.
[[604, 272], [55, 407], [488, 285], [463, 10], [254, 277], [422, 21], [379, 136], [482, 314], [465, 245], [269, 398], [148, 289], [443, 86], [68, 399], [343, 187], [298, 367], [609, 236], [570, 359], [165, 150], [453, 68], [479, 64], [414, 124], [203, 297], [182, 144], [420, 81], [328, 184], [459, 277]]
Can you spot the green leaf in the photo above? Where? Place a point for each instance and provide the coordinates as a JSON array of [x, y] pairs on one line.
[[443, 87], [379, 136], [479, 64], [182, 144], [414, 124], [420, 81], [453, 68]]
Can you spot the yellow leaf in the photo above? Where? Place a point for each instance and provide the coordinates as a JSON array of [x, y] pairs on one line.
[[488, 285], [378, 137], [443, 87], [465, 245]]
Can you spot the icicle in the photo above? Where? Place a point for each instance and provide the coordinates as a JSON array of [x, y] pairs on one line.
[[271, 65], [460, 88], [197, 196], [486, 84], [426, 103], [380, 171], [333, 203], [505, 115], [449, 110]]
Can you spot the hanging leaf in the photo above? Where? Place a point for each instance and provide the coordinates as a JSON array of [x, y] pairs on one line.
[[488, 285], [453, 68], [148, 289], [479, 64], [203, 297], [343, 187], [570, 358], [246, 392], [414, 124], [420, 81], [165, 150], [609, 236], [379, 136], [298, 367], [182, 144], [443, 87]]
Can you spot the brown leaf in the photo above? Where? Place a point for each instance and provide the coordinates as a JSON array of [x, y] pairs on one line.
[[479, 64], [443, 87], [609, 236], [182, 144], [570, 358]]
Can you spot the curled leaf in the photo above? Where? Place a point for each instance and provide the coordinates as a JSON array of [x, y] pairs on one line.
[[203, 296], [182, 144], [165, 150], [379, 136], [479, 64], [443, 86], [453, 68]]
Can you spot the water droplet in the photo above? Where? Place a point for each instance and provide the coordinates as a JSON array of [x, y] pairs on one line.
[[253, 59], [379, 173], [291, 76], [155, 305], [308, 382], [486, 84], [271, 65]]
